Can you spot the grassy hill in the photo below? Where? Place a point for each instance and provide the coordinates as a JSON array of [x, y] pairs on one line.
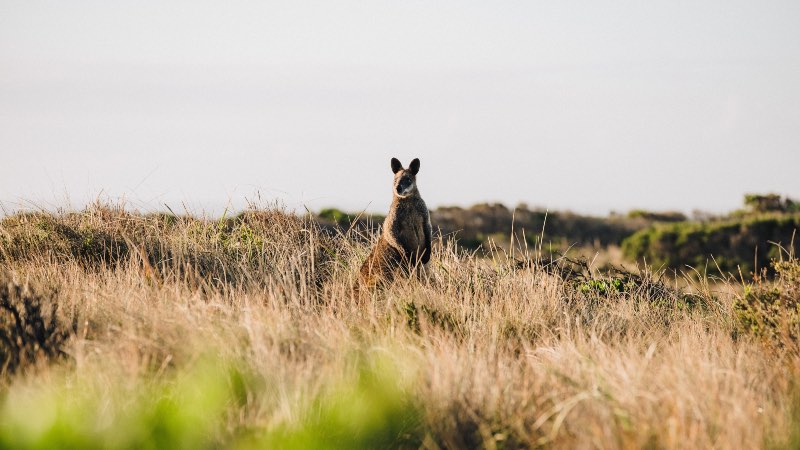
[[124, 330]]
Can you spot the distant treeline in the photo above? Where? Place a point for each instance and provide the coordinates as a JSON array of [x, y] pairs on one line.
[[475, 226], [746, 239]]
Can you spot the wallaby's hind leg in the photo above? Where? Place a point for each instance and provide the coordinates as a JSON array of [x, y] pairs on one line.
[[380, 266]]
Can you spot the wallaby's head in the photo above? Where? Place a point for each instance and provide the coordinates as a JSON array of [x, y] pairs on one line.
[[405, 180]]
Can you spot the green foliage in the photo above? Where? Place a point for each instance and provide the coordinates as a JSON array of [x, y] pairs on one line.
[[604, 287], [337, 215], [192, 409], [622, 285], [185, 411], [760, 203], [373, 411], [771, 310], [336, 219], [733, 244], [654, 216], [763, 202]]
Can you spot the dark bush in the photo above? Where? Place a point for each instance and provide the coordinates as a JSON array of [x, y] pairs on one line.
[[759, 203], [29, 327], [654, 216]]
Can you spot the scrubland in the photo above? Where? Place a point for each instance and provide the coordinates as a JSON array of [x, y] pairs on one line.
[[124, 330]]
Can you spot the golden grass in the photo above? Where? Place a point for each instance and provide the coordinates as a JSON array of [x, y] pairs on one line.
[[482, 353]]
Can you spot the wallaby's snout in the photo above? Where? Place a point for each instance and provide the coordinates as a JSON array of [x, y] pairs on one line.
[[404, 185]]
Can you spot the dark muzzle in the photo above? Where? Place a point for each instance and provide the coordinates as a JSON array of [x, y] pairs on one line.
[[402, 185]]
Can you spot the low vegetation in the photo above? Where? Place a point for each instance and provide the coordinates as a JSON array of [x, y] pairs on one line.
[[745, 244], [743, 241], [481, 224], [124, 330]]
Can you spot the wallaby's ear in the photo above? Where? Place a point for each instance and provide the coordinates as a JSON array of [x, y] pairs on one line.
[[414, 166], [396, 166]]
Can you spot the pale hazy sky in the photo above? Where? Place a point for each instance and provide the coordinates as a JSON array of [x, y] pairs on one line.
[[590, 106]]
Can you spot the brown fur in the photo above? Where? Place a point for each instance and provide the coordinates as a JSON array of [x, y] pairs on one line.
[[405, 241]]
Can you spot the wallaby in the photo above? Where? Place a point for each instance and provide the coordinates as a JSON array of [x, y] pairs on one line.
[[405, 241]]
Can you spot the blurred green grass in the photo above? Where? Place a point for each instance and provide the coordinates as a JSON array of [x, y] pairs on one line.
[[195, 408]]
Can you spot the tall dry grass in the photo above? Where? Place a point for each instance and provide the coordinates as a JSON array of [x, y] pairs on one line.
[[245, 332]]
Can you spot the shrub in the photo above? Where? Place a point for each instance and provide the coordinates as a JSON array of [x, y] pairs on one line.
[[337, 215], [759, 203], [763, 203], [336, 218], [653, 216], [771, 310], [29, 328], [746, 243]]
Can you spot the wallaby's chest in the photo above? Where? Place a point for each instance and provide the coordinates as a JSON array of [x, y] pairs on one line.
[[404, 224]]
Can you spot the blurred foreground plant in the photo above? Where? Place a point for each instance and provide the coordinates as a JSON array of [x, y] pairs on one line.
[[196, 408]]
